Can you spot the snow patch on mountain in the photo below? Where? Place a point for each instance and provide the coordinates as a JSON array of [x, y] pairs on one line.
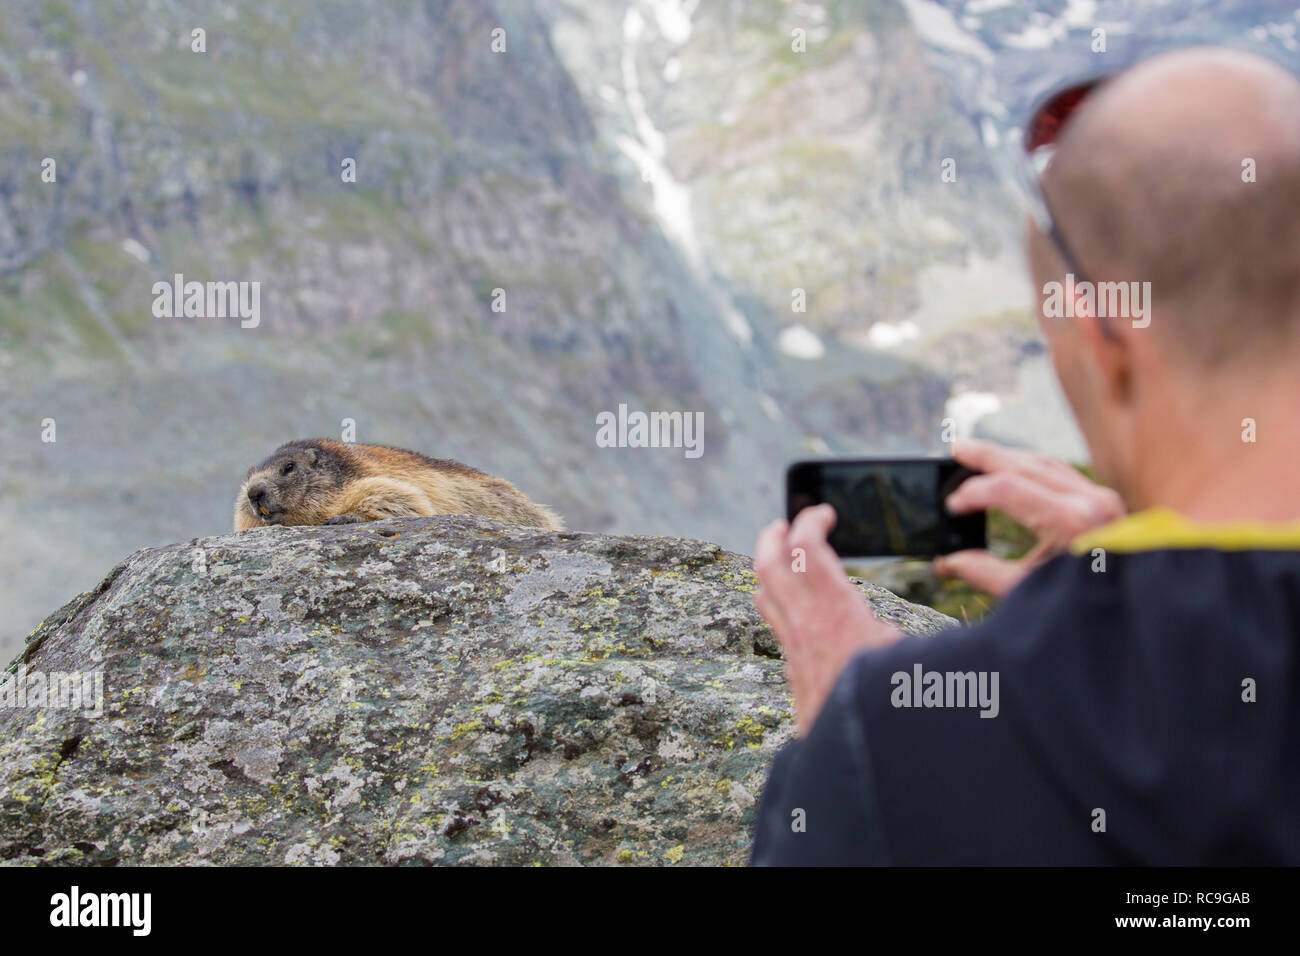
[[798, 341], [672, 198], [937, 27], [965, 408]]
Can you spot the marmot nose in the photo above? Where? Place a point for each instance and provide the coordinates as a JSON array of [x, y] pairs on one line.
[[256, 495]]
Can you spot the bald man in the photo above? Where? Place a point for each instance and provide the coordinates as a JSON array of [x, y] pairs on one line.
[[1135, 698]]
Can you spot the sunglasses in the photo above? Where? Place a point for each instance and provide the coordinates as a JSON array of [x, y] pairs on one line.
[[1037, 146]]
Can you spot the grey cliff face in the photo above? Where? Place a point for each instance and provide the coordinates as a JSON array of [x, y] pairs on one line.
[[432, 690]]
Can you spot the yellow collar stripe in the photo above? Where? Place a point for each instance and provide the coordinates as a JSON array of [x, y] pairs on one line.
[[1160, 528]]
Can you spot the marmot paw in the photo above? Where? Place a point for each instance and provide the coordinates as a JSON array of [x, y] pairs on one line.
[[344, 519]]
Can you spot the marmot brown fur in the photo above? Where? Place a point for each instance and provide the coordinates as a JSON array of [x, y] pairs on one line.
[[319, 481]]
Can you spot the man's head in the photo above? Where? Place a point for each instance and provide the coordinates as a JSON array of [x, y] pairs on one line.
[[1184, 173]]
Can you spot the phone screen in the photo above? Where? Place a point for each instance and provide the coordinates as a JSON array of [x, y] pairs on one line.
[[887, 507]]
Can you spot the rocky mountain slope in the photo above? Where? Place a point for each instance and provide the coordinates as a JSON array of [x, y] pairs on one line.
[[648, 183], [431, 690]]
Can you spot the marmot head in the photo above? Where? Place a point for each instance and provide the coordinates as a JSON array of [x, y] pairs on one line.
[[293, 486]]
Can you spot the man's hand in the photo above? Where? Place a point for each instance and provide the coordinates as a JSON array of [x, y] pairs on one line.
[[1050, 498], [820, 618]]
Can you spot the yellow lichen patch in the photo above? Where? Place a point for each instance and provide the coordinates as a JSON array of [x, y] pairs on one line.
[[675, 854], [748, 727], [468, 726]]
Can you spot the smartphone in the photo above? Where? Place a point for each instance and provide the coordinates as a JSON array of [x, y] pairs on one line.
[[887, 507]]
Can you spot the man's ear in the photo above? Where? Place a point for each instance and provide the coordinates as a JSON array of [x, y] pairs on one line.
[[1110, 349]]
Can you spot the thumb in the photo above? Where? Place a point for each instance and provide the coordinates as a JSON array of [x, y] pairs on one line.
[[981, 570]]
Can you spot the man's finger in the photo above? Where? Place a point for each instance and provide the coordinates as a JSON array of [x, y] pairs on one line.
[[770, 550], [772, 613], [815, 523], [1023, 499], [981, 570], [811, 528], [993, 459]]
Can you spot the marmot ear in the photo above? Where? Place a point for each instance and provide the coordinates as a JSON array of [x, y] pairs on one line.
[[312, 456]]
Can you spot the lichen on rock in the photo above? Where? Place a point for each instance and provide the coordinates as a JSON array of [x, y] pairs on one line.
[[421, 690]]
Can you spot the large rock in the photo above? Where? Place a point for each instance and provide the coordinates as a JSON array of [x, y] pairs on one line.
[[424, 690]]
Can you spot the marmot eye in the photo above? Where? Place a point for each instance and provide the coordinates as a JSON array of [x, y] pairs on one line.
[[287, 468]]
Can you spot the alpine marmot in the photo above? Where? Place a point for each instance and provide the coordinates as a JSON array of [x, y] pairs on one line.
[[319, 481]]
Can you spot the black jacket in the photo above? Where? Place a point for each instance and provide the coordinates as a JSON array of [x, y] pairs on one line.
[[1147, 713]]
